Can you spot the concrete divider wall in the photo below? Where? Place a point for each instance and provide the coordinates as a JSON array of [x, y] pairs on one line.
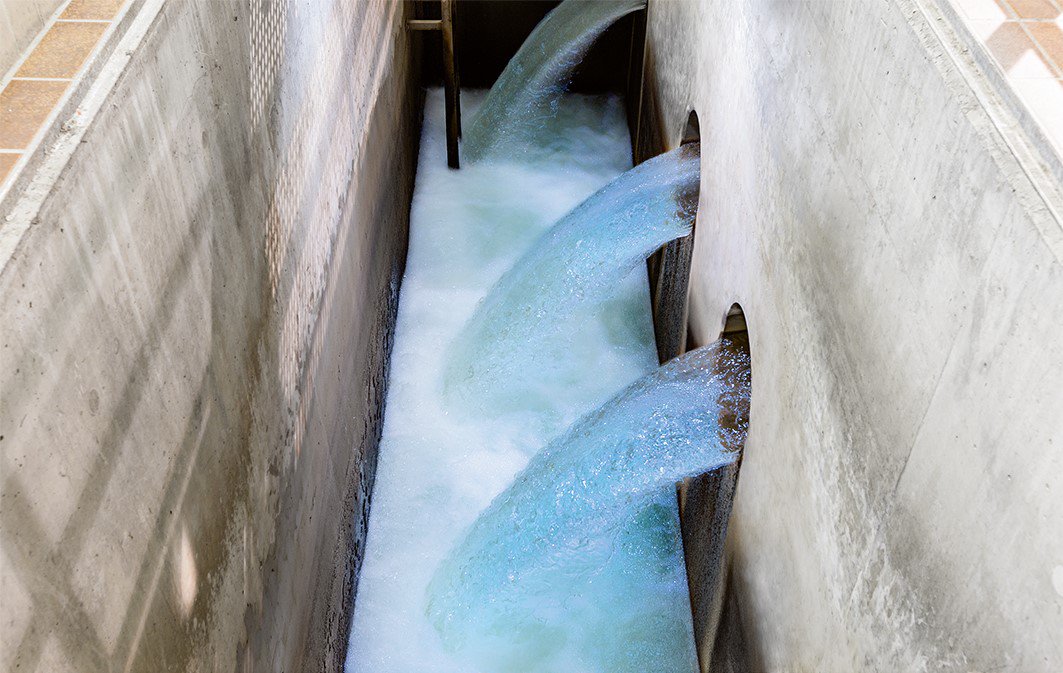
[[901, 495], [195, 337]]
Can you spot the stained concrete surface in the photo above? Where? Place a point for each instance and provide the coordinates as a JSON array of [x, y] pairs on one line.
[[898, 263], [195, 339]]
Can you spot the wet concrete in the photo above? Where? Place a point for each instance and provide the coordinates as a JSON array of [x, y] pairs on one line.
[[197, 326]]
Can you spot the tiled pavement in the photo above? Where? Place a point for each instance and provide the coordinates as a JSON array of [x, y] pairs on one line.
[[1025, 38], [36, 89]]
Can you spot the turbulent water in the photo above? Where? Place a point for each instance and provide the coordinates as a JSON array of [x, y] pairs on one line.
[[515, 352], [438, 468], [576, 565], [499, 541], [527, 91]]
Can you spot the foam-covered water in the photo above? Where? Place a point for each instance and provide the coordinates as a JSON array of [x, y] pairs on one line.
[[511, 328], [438, 468], [515, 352], [526, 95], [576, 566]]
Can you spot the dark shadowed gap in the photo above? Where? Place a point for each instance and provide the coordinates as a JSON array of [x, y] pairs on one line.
[[489, 32], [669, 273], [704, 512]]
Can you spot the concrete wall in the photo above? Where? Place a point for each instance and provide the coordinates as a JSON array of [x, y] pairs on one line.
[[196, 328], [900, 502], [20, 21]]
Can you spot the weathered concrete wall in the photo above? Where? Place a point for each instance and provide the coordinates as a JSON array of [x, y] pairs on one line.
[[20, 21], [195, 336], [900, 502]]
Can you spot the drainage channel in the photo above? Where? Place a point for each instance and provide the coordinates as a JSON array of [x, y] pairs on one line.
[[524, 514]]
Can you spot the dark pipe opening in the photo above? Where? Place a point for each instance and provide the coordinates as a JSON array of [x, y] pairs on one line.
[[692, 132], [704, 511]]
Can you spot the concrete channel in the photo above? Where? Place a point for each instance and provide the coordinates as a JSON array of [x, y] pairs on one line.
[[199, 272]]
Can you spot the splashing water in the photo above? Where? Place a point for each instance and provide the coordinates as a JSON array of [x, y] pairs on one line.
[[438, 469], [526, 93], [553, 556], [577, 565], [516, 351]]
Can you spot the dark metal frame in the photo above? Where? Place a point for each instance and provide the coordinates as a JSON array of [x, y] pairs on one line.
[[451, 83]]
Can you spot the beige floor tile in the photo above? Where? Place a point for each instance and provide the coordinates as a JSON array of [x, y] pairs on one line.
[[1015, 52], [1034, 9], [24, 106], [63, 50], [92, 9], [1049, 34], [7, 162]]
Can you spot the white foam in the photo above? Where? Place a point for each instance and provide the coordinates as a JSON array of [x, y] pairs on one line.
[[439, 469]]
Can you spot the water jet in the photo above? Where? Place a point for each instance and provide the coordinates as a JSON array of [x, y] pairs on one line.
[[204, 211], [570, 537]]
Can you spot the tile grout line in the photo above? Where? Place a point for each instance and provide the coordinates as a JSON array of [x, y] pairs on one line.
[[23, 156], [1009, 122], [30, 199], [1055, 62], [1049, 62], [1052, 3], [1012, 16], [10, 74]]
